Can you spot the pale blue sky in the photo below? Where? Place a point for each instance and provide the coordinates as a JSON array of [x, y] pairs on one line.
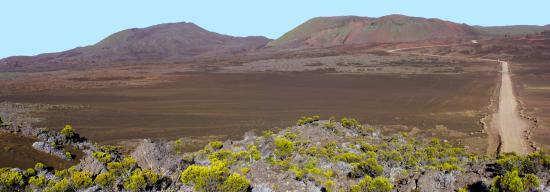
[[30, 27]]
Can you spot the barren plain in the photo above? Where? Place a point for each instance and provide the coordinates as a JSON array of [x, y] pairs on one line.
[[424, 95]]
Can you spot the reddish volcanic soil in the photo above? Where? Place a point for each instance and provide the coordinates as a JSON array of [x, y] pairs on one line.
[[532, 77], [17, 152], [217, 104]]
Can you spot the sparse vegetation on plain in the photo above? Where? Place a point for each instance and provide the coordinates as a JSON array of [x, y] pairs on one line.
[[326, 155], [425, 109]]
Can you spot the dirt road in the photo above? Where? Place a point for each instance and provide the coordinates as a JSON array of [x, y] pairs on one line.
[[510, 125], [507, 127]]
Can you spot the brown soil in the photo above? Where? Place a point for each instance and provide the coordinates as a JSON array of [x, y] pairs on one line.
[[509, 127], [532, 77], [18, 152], [231, 104]]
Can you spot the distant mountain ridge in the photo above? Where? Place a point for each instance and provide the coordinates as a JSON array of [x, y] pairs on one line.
[[330, 31], [172, 41], [513, 29], [346, 30]]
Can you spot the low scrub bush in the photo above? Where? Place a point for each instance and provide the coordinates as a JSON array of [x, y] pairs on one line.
[[102, 156], [68, 131], [216, 145], [105, 180], [284, 147], [11, 179], [307, 120], [82, 179], [37, 181], [348, 157], [63, 185], [136, 181], [370, 167], [368, 184], [235, 183], [215, 177], [512, 182], [349, 122]]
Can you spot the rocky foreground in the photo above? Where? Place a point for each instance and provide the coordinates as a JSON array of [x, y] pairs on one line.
[[314, 155]]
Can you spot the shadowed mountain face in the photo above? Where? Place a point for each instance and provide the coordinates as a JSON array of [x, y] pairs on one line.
[[165, 42]]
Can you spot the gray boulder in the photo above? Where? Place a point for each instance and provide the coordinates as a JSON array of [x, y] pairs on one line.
[[158, 157]]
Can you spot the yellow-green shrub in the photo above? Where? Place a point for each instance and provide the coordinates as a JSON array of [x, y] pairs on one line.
[[328, 173], [254, 152], [348, 157], [61, 173], [68, 131], [305, 120], [37, 181], [205, 178], [29, 172], [378, 184], [329, 185], [267, 134], [216, 145], [151, 177], [10, 178], [105, 180], [136, 181], [365, 147], [223, 155], [102, 156], [512, 182], [82, 179], [245, 170], [214, 178], [449, 167], [128, 162], [178, 145], [349, 122], [39, 166], [60, 186], [329, 125], [298, 173], [368, 167], [284, 147], [235, 183], [68, 155]]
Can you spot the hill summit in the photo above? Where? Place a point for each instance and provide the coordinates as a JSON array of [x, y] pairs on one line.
[[163, 42], [345, 30]]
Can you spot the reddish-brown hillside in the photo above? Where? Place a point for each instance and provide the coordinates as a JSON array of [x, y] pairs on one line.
[[165, 42], [331, 31]]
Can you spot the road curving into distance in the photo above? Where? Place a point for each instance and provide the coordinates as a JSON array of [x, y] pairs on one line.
[[507, 126]]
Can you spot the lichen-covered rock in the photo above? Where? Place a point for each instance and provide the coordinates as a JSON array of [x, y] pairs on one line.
[[437, 181], [158, 157], [92, 165], [47, 148], [94, 188]]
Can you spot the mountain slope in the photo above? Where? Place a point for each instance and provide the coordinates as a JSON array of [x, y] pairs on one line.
[[330, 31], [173, 40], [513, 29], [164, 42]]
